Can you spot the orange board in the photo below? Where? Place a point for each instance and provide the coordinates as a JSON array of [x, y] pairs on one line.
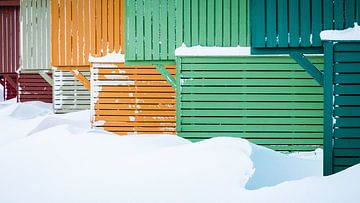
[[132, 99], [85, 27]]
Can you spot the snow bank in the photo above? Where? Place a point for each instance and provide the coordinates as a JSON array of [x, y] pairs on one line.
[[347, 34], [110, 57], [1, 93], [212, 51]]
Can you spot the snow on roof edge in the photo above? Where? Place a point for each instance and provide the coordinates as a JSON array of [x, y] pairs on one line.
[[212, 51], [113, 57], [349, 34]]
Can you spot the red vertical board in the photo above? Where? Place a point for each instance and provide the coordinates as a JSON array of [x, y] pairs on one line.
[[9, 38]]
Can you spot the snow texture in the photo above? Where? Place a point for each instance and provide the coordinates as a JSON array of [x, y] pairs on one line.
[[1, 93], [212, 51], [108, 58], [342, 35], [58, 158]]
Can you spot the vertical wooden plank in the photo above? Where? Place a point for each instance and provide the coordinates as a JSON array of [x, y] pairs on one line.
[[86, 23], [54, 32], [75, 34], [48, 35], [23, 8], [140, 30], [271, 26], [294, 23], [328, 108], [187, 22], [202, 23], [219, 23], [122, 25], [98, 27], [316, 11], [349, 13], [80, 39], [194, 22], [258, 23], [2, 68], [117, 26], [130, 23], [110, 20], [147, 29], [358, 11], [37, 34], [235, 33], [156, 29], [171, 30], [178, 95], [92, 25], [65, 29], [17, 40], [104, 35], [339, 14], [226, 23], [33, 33], [328, 8], [179, 22], [305, 23], [283, 23], [211, 23], [163, 30]]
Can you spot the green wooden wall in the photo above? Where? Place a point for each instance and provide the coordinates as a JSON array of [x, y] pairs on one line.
[[155, 28], [342, 106], [269, 100], [35, 34], [278, 26]]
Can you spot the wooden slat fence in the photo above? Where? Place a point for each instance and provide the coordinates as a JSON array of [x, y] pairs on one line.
[[269, 100], [155, 28], [281, 25], [32, 87]]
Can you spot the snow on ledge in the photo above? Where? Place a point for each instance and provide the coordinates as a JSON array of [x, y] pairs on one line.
[[212, 51], [109, 58], [347, 34]]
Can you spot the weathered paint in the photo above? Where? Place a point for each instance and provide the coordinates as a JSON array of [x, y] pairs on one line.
[[131, 99], [33, 87], [85, 27], [35, 35], [268, 100], [9, 39]]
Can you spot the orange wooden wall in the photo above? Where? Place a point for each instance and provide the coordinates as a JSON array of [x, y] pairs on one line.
[[83, 27]]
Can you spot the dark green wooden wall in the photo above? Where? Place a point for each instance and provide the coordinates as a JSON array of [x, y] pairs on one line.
[[269, 100], [342, 106], [155, 28]]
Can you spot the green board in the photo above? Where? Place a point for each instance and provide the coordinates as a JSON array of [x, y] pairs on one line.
[[269, 100], [155, 28]]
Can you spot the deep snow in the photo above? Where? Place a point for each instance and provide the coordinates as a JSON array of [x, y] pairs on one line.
[[58, 158]]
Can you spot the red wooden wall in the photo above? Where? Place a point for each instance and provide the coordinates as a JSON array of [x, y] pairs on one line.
[[32, 87]]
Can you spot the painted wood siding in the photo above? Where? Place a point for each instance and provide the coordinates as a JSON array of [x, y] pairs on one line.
[[35, 34], [281, 25], [83, 27], [132, 99], [342, 106], [32, 87], [69, 95], [9, 39], [269, 100], [154, 28]]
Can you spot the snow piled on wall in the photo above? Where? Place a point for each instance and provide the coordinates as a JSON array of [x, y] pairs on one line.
[[347, 34]]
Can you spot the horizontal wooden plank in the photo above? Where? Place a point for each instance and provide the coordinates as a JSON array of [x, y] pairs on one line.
[[252, 105], [347, 78], [135, 106], [134, 118], [347, 68], [130, 71], [135, 100], [245, 67], [244, 74], [288, 90], [347, 152], [137, 95], [347, 132], [130, 124], [135, 89], [249, 97], [347, 57], [132, 83], [347, 111], [251, 128], [259, 135], [348, 122], [135, 112], [262, 113], [346, 161], [246, 120], [247, 59], [343, 46], [347, 143], [347, 100], [249, 82], [139, 129], [130, 77], [347, 89]]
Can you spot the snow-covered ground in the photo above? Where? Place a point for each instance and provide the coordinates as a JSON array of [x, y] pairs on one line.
[[48, 158]]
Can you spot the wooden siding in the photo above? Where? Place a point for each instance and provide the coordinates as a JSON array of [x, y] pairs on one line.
[[32, 87], [9, 39], [281, 25], [269, 100], [35, 42], [9, 82], [154, 28], [342, 106], [132, 99], [69, 95], [83, 27]]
